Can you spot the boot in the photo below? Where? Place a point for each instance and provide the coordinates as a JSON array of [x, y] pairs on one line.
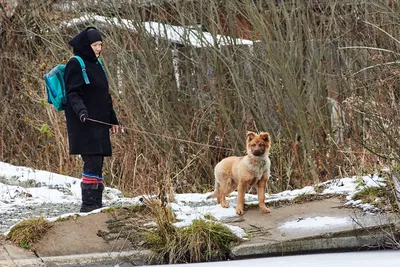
[[99, 195], [89, 192]]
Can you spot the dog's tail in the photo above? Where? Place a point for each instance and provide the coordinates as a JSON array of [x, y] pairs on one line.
[[213, 194], [216, 185]]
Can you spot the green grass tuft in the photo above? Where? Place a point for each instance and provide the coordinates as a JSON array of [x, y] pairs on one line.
[[369, 194]]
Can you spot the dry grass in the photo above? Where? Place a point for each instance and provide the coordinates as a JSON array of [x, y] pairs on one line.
[[201, 241], [308, 58], [27, 232]]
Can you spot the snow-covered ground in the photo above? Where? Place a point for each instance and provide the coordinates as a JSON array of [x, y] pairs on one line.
[[27, 193]]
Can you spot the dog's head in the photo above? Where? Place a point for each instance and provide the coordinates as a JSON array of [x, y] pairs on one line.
[[258, 144]]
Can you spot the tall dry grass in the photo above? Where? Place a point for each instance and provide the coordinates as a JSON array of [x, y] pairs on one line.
[[322, 78]]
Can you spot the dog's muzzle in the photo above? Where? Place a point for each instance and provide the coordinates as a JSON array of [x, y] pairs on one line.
[[258, 153]]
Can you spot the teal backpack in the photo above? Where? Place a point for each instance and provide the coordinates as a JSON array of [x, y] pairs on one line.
[[55, 85]]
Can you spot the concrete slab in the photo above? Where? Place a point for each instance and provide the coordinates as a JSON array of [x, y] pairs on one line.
[[13, 256], [3, 254], [77, 237], [345, 241], [139, 257], [312, 227]]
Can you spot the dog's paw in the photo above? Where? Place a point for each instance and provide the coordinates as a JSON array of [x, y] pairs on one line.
[[265, 209], [225, 204], [239, 211]]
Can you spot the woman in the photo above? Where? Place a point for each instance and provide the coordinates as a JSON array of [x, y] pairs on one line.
[[89, 139]]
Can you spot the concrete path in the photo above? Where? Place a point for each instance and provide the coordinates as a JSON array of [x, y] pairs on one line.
[[313, 227], [13, 256], [316, 226]]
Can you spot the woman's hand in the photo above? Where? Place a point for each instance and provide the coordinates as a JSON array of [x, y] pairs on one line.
[[114, 129]]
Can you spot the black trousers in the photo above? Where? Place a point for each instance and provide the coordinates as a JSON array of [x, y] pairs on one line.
[[92, 168]]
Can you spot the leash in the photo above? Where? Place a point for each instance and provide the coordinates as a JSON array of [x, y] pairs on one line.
[[159, 135]]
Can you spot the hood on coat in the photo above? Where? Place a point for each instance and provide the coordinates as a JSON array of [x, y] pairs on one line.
[[81, 44]]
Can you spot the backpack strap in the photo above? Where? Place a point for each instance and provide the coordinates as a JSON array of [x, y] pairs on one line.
[[102, 65], [83, 66]]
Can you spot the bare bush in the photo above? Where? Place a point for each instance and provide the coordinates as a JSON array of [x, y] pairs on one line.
[[184, 99]]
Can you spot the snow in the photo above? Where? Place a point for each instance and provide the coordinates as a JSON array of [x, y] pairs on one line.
[[291, 194], [316, 222], [182, 35], [26, 193], [350, 186], [387, 258]]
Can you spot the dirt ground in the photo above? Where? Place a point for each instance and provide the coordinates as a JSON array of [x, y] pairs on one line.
[[110, 231]]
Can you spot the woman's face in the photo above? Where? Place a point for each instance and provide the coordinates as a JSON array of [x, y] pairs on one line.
[[96, 46]]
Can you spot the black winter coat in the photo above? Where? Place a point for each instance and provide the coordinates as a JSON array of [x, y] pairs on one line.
[[87, 137]]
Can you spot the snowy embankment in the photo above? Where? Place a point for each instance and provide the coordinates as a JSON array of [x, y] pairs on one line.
[[27, 193]]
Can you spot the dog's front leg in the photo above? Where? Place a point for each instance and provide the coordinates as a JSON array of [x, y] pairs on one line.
[[261, 188], [240, 202], [221, 199]]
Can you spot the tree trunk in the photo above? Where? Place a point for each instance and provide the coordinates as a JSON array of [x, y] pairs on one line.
[[396, 182]]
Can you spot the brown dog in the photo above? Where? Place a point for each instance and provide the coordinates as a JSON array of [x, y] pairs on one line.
[[242, 172]]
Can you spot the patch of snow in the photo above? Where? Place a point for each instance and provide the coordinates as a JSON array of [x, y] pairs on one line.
[[366, 207], [237, 231], [290, 194], [67, 6], [218, 212], [186, 214], [316, 223], [353, 202], [340, 186], [183, 35], [351, 186]]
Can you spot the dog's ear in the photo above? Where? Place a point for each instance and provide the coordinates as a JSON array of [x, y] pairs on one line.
[[265, 136], [250, 136]]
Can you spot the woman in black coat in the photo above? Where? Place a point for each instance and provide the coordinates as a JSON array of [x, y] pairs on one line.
[[85, 101]]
